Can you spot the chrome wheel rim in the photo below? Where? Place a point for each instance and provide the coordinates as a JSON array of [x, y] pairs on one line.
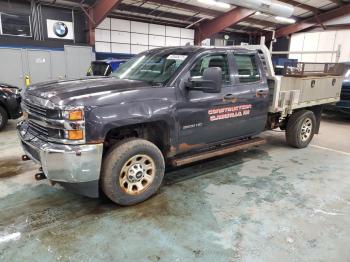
[[137, 174], [306, 129]]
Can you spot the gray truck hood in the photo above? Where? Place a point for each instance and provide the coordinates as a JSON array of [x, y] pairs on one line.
[[77, 92]]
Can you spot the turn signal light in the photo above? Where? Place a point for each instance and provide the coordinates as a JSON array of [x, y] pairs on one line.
[[75, 115], [75, 134]]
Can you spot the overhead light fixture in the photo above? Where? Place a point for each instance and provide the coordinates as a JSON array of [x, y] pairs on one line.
[[285, 20], [223, 5], [215, 3]]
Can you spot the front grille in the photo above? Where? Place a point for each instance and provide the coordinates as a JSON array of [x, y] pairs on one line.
[[38, 110], [45, 120], [38, 130]]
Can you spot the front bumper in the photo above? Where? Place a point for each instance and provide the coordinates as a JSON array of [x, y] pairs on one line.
[[69, 165]]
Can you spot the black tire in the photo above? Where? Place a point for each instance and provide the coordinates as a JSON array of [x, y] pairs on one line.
[[3, 118], [118, 158], [295, 135]]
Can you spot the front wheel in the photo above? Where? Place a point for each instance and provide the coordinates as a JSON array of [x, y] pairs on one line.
[[301, 128], [132, 171]]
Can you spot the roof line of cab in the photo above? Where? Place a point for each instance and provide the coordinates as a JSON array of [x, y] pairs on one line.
[[196, 48]]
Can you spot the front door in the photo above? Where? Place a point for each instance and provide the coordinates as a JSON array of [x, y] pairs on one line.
[[206, 118]]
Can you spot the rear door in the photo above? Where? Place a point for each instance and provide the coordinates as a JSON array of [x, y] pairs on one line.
[[252, 90]]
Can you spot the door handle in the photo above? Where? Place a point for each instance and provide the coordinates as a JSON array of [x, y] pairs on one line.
[[262, 93], [230, 97]]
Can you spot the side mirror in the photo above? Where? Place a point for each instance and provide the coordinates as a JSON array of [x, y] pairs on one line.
[[211, 81]]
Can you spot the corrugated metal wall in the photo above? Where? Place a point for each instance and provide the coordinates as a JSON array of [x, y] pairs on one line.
[[130, 37], [321, 41], [43, 64]]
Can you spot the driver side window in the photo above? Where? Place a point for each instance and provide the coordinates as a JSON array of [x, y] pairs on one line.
[[213, 60]]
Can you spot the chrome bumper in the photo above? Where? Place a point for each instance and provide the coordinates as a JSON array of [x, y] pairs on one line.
[[63, 163]]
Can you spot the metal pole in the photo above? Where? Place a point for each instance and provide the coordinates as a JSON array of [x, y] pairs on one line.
[[195, 22], [337, 58]]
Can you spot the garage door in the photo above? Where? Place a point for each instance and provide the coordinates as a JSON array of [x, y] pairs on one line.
[[78, 61], [39, 65], [11, 71]]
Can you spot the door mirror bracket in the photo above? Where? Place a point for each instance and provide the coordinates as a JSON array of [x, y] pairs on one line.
[[211, 81]]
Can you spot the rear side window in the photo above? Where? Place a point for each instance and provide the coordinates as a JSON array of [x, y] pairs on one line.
[[248, 71]]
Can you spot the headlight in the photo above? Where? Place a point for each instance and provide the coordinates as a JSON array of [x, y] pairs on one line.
[[74, 115], [76, 124], [10, 90]]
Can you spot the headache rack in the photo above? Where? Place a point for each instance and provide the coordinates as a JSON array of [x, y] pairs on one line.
[[301, 85], [313, 69]]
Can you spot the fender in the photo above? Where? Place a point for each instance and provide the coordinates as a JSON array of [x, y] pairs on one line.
[[101, 120]]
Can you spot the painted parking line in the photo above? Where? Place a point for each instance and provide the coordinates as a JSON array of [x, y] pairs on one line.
[[330, 149]]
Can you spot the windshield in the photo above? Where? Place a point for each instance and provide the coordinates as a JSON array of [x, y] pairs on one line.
[[347, 73], [154, 68]]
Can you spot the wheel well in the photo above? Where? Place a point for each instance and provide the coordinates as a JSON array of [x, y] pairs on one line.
[[4, 107], [156, 132]]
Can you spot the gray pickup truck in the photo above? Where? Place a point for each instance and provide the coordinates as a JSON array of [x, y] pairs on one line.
[[167, 106]]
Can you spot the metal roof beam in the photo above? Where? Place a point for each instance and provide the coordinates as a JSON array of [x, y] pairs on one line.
[[260, 22], [97, 14], [312, 21], [301, 5], [193, 8], [218, 24], [101, 9]]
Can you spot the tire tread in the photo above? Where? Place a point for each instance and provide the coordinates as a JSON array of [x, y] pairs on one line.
[[294, 125]]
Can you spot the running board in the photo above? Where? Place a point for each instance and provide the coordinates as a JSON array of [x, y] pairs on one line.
[[184, 160]]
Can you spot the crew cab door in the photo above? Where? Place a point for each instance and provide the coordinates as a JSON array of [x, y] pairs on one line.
[[198, 113], [251, 89], [238, 111]]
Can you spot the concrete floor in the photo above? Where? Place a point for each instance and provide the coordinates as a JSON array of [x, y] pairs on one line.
[[271, 203]]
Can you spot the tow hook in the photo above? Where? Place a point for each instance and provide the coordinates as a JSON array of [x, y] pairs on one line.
[[25, 158], [39, 176]]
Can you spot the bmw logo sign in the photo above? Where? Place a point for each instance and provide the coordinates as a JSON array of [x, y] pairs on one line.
[[60, 29]]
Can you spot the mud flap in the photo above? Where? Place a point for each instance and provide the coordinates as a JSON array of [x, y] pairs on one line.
[[317, 110]]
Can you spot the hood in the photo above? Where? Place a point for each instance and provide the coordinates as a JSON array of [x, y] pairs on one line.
[[5, 85], [76, 91]]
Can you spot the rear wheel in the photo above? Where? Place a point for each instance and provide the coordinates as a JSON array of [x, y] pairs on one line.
[[132, 171], [3, 118], [301, 128]]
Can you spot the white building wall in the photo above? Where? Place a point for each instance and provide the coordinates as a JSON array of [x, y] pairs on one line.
[[321, 41], [130, 37]]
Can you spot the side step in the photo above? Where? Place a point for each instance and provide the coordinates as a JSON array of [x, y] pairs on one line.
[[184, 160]]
